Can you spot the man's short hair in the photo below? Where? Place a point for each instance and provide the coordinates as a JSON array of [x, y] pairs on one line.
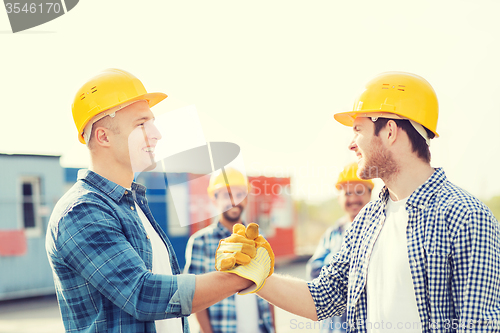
[[418, 144]]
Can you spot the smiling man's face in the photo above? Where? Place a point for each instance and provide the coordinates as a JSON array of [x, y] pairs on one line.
[[374, 159], [232, 205], [136, 140], [353, 197]]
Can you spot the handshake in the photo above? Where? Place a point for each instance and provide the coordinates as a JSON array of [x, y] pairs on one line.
[[247, 254]]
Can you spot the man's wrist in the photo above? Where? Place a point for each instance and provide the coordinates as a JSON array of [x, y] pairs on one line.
[[237, 281]]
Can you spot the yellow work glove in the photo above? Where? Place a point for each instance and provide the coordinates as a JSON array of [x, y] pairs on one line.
[[247, 254]]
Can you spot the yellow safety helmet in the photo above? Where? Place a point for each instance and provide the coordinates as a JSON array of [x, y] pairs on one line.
[[405, 95], [218, 181], [350, 175], [107, 90]]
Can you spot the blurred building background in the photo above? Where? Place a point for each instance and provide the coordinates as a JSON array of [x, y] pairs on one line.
[[30, 187]]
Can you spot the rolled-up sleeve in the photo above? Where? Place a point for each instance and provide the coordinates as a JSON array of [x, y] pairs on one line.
[[183, 297]]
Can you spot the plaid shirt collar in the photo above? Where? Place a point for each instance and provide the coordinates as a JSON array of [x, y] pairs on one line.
[[111, 189], [222, 231], [421, 196]]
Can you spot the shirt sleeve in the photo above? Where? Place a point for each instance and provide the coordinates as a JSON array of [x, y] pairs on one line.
[[92, 243], [195, 259], [476, 278], [329, 290]]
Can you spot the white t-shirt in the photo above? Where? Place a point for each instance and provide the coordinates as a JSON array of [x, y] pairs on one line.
[[161, 265], [247, 313], [392, 305]]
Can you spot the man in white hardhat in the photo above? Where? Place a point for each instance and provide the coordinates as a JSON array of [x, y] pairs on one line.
[[114, 268], [425, 256]]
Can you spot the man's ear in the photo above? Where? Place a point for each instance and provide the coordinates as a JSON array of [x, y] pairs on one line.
[[392, 131], [101, 136]]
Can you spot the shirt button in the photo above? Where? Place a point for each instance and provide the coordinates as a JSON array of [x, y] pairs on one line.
[[126, 192], [421, 206], [147, 236], [414, 263], [411, 230], [132, 207]]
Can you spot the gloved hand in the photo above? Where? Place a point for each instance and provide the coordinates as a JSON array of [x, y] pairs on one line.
[[247, 254]]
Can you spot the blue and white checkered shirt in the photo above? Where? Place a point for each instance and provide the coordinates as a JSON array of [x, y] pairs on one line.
[[454, 256], [200, 259], [102, 258]]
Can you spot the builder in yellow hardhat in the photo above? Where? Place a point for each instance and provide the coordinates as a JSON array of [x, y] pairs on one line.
[[114, 268], [228, 189], [423, 257], [354, 194]]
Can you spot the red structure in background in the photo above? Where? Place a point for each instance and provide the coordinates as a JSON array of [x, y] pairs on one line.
[[13, 243], [269, 204], [199, 203]]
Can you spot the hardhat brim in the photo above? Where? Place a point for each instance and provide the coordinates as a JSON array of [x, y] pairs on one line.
[[366, 182], [211, 191], [347, 118], [151, 98]]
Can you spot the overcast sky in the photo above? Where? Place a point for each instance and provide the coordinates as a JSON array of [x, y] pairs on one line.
[[267, 75]]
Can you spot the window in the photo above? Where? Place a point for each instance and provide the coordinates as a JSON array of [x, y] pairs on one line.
[[30, 204]]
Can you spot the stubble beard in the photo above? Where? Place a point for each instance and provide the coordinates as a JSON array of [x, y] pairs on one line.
[[379, 164], [231, 219]]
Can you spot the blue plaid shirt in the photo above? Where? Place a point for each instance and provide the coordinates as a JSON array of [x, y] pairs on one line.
[[329, 244], [200, 259], [101, 258], [454, 256]]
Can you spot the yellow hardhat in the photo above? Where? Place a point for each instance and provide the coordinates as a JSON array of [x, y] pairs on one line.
[[107, 90], [350, 175], [232, 178], [406, 95]]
